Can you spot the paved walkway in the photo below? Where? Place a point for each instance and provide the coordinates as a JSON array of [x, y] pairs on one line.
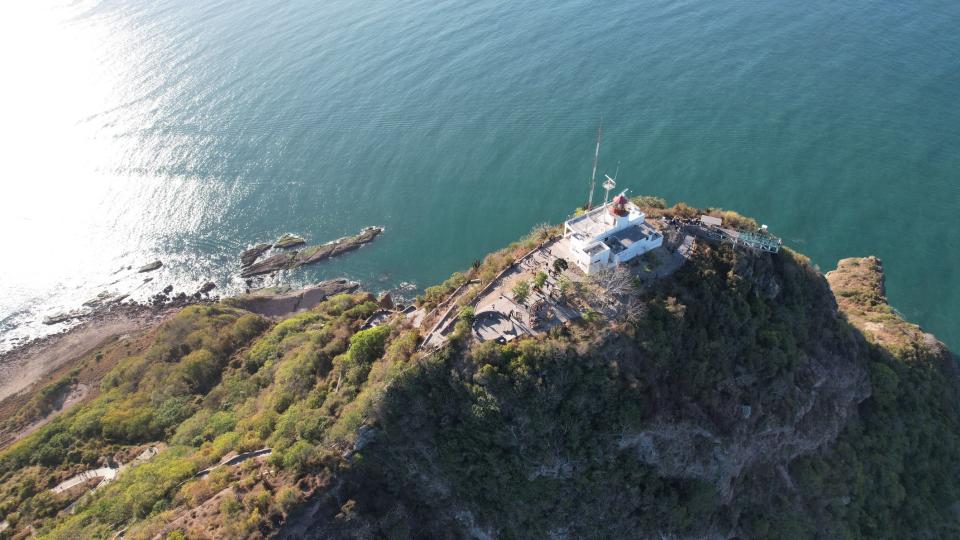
[[106, 473], [239, 458]]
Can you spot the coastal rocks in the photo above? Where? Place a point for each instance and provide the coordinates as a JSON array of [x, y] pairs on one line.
[[250, 256], [204, 290], [150, 267], [289, 240], [63, 317], [278, 302], [311, 254], [207, 287], [385, 301], [105, 298], [280, 261]]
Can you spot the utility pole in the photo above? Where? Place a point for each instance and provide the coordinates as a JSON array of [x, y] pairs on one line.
[[596, 158]]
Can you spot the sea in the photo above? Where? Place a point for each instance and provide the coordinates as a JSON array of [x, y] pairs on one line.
[[187, 130]]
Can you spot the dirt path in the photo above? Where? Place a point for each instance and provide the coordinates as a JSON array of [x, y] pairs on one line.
[[23, 366]]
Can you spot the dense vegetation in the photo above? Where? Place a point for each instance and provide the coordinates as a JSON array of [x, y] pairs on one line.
[[540, 437], [527, 438]]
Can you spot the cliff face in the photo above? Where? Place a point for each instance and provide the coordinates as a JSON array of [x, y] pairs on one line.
[[765, 417], [752, 399]]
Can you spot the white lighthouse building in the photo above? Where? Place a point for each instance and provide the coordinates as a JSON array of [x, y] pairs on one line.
[[609, 235]]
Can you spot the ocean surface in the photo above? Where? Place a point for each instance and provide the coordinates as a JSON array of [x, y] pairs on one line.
[[186, 130]]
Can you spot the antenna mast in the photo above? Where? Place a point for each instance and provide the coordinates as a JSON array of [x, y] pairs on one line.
[[609, 184], [596, 158]]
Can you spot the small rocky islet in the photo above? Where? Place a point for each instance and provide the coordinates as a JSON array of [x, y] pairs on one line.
[[287, 260]]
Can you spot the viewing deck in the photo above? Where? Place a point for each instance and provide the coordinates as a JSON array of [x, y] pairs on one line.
[[707, 228]]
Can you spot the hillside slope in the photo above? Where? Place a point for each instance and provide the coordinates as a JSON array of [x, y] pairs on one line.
[[754, 398]]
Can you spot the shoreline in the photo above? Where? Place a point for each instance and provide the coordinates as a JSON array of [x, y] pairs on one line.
[[27, 363]]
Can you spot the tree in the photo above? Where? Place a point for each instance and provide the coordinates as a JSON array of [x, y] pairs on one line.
[[520, 291], [559, 265], [539, 280], [614, 282]]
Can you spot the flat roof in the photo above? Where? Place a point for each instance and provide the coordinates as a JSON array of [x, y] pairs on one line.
[[711, 221], [622, 240], [593, 249], [592, 223]]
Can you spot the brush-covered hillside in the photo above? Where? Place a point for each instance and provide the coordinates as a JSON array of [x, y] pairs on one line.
[[747, 395]]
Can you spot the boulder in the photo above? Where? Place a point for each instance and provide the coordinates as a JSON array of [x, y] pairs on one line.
[[250, 256], [150, 267], [207, 287]]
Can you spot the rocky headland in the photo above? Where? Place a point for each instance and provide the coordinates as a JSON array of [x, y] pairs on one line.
[[748, 396]]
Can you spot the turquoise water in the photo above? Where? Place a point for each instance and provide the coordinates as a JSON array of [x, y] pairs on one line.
[[186, 130]]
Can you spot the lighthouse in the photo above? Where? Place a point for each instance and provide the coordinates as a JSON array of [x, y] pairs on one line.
[[610, 235]]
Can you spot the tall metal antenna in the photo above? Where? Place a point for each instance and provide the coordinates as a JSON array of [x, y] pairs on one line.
[[596, 158], [609, 184]]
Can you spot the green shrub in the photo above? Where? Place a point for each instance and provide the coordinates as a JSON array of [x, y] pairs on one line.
[[520, 291]]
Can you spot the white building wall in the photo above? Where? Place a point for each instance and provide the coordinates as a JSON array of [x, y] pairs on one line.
[[639, 248], [579, 242]]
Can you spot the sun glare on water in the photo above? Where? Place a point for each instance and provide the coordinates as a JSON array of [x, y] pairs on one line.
[[73, 104]]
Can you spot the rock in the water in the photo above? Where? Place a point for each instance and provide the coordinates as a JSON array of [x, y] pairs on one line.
[[278, 302], [250, 256], [150, 267], [207, 287], [385, 301], [312, 254], [147, 279], [168, 289], [289, 240]]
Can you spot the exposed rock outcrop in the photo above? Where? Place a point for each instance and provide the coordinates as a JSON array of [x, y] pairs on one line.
[[289, 240], [207, 287], [312, 254], [385, 301], [250, 255], [858, 284], [64, 317], [150, 267], [278, 302]]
